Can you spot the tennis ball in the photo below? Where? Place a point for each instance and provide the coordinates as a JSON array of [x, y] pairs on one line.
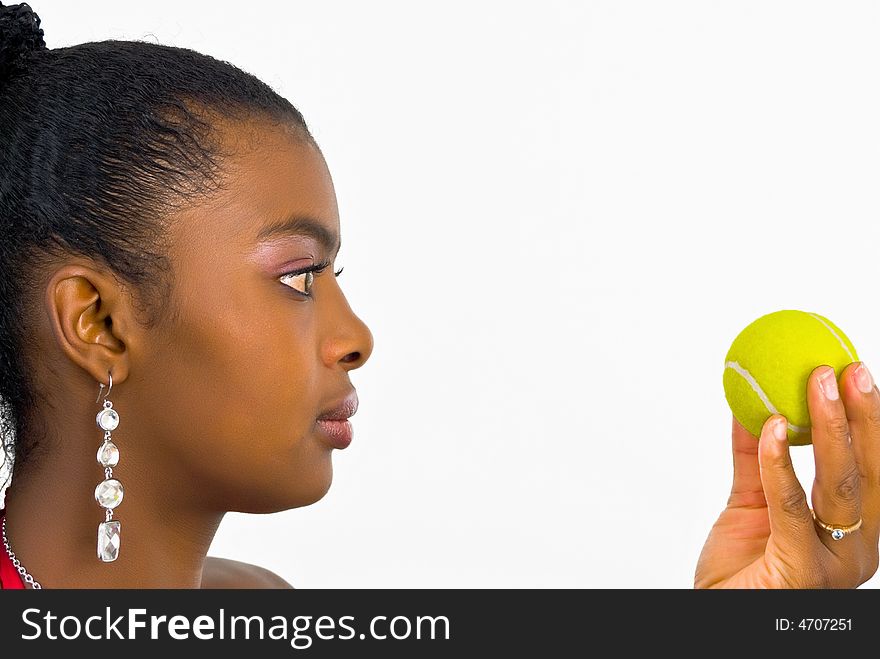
[[769, 363]]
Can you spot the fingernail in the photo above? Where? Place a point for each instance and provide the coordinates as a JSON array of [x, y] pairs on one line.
[[828, 384], [780, 429], [864, 381]]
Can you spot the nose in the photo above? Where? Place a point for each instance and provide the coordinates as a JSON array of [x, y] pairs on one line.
[[350, 342], [362, 346]]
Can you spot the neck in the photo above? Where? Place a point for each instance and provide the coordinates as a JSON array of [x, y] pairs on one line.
[[52, 517]]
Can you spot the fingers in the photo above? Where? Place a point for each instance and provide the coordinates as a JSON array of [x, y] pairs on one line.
[[837, 491], [747, 490], [862, 401], [791, 523]]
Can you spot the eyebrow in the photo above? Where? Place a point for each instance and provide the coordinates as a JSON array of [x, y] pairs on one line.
[[302, 225]]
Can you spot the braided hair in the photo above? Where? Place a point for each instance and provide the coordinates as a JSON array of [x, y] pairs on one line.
[[99, 142]]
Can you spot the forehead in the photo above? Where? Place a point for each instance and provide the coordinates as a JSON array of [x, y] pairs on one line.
[[271, 172]]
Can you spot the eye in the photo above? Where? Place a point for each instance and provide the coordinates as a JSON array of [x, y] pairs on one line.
[[306, 277]]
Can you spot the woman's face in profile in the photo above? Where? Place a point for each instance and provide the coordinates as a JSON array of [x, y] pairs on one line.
[[254, 356]]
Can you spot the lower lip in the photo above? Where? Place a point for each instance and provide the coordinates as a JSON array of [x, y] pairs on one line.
[[339, 431]]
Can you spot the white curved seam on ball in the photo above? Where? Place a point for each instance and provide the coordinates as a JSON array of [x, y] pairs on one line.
[[753, 383], [836, 336]]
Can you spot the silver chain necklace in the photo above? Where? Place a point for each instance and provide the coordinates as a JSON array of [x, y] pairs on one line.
[[18, 566]]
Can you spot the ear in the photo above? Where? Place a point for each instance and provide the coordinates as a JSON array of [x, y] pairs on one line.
[[91, 317]]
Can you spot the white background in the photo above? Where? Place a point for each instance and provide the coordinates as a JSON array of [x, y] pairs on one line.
[[556, 217]]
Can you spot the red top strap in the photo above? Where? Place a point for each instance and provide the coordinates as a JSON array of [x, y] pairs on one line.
[[10, 579]]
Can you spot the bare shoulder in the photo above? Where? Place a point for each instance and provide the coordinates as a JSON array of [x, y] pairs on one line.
[[227, 573]]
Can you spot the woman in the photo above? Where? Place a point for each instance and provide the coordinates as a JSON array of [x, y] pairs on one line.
[[172, 329], [768, 537]]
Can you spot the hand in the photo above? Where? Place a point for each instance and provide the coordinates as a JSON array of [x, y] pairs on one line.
[[766, 537]]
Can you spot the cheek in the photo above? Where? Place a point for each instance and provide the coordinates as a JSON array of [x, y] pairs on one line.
[[242, 392]]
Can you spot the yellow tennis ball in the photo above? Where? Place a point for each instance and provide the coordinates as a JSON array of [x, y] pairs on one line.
[[769, 363]]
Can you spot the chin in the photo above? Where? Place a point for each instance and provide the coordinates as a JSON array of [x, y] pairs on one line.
[[317, 494], [296, 489], [311, 486], [286, 500]]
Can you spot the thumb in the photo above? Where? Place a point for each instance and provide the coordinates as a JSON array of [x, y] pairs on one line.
[[791, 523]]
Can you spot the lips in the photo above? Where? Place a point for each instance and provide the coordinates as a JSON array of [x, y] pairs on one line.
[[338, 432], [334, 422], [343, 409]]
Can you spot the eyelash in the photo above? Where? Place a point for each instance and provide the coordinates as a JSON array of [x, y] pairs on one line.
[[317, 268]]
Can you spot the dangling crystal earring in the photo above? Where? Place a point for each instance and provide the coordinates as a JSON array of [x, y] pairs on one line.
[[108, 494]]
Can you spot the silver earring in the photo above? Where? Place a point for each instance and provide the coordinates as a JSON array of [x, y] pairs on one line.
[[108, 494]]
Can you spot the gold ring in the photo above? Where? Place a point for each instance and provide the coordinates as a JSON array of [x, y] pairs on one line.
[[837, 532]]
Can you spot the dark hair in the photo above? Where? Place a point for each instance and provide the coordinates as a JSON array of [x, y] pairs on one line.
[[98, 143]]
